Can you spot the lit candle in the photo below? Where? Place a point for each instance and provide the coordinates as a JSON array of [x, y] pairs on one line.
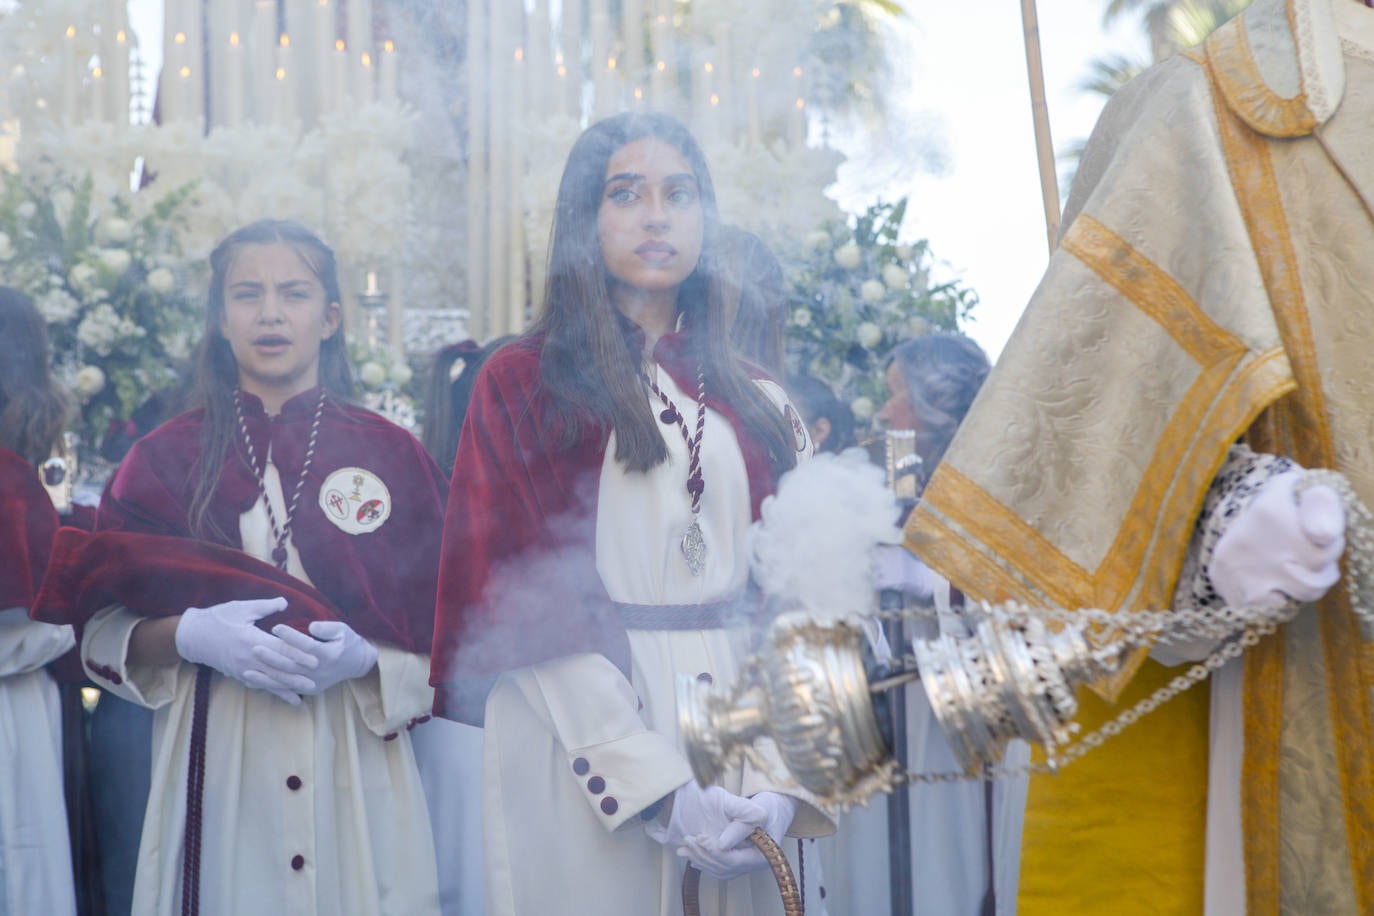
[[541, 61], [300, 25], [387, 72], [284, 97], [725, 79], [703, 89], [498, 124], [71, 75], [515, 203], [367, 80], [183, 92], [233, 77], [755, 135], [796, 121], [339, 61], [97, 94], [114, 61]]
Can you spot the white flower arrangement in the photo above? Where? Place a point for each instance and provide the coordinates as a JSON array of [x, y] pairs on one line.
[[844, 322], [119, 322]]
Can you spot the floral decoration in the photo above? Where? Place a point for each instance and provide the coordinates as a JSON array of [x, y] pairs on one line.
[[107, 272], [858, 292]]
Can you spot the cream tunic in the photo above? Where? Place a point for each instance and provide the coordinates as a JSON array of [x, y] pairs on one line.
[[574, 751], [35, 857], [313, 809]]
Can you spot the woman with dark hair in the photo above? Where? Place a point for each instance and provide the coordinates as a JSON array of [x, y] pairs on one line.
[[35, 857], [449, 392], [299, 793], [830, 422], [610, 466], [931, 383], [755, 292]]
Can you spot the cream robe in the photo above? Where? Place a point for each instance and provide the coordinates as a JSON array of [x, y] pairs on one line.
[[35, 856], [358, 818], [1214, 280], [574, 751]]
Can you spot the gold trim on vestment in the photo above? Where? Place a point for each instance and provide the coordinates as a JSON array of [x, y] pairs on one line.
[[1232, 66], [1307, 429]]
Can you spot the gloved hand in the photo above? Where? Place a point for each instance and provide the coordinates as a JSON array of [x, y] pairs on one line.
[[1282, 544], [339, 652], [224, 637], [896, 568], [731, 854], [706, 812]]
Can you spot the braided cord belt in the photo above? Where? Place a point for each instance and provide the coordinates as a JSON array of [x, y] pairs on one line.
[[782, 873]]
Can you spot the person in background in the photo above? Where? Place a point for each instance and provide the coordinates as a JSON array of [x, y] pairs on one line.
[[35, 855], [829, 421], [283, 776], [755, 297], [595, 551]]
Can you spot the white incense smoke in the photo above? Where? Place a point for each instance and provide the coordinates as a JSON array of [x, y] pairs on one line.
[[813, 545]]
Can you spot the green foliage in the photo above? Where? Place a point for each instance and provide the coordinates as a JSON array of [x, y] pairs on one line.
[[122, 307], [857, 292]]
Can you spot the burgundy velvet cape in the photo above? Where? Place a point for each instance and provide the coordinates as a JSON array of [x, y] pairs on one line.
[[381, 582], [28, 523], [517, 580]]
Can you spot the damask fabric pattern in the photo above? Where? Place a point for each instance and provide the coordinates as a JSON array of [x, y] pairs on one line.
[[1213, 282]]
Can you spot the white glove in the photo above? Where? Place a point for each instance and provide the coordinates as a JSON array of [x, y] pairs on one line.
[[340, 653], [896, 568], [706, 812], [731, 854], [1282, 544], [225, 638]]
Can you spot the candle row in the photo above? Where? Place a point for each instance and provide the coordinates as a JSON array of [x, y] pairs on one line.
[[262, 73]]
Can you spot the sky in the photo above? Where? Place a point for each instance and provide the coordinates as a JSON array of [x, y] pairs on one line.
[[962, 66], [983, 215]]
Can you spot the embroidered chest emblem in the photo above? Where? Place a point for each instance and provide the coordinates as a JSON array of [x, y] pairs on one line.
[[355, 500], [798, 427]]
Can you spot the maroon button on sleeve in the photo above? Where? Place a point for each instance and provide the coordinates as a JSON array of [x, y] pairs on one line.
[[609, 805], [297, 862], [596, 785], [581, 766], [293, 783]]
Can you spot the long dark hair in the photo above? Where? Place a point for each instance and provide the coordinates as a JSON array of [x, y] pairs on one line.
[[32, 407], [216, 372], [585, 364], [942, 373], [450, 392]]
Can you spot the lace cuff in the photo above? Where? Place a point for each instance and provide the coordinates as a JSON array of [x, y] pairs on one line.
[[1240, 478]]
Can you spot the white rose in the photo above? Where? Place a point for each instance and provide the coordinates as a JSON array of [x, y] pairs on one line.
[[861, 407], [372, 373], [62, 202], [872, 291], [849, 256], [904, 252], [919, 326], [162, 281], [801, 317], [58, 307], [90, 381], [82, 277], [26, 210], [116, 230], [116, 259], [869, 335], [401, 374], [6, 249], [818, 240], [894, 275]]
